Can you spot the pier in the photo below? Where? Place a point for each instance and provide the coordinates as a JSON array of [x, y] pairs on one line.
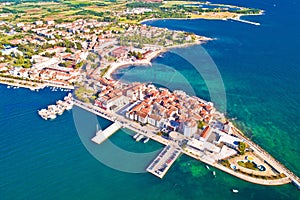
[[162, 163], [246, 21], [102, 135]]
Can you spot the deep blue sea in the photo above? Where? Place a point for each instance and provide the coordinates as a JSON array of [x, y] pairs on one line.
[[260, 69]]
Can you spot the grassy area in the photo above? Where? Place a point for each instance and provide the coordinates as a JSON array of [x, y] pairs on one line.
[[31, 11], [104, 71], [74, 9], [169, 4], [84, 94], [248, 165]]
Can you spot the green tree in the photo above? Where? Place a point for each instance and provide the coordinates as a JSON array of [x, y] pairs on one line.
[[242, 147], [139, 55]]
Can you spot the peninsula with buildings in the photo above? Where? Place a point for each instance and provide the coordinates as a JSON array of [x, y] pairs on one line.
[[77, 45]]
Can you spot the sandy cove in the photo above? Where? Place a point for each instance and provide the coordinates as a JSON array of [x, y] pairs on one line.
[[147, 61]]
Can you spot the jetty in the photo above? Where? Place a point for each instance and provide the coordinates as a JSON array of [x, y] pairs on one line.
[[102, 135], [163, 162], [246, 21]]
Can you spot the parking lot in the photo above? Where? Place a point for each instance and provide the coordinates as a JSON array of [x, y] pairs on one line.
[[164, 160]]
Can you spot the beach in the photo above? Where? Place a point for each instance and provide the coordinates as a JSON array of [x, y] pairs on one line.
[[147, 61]]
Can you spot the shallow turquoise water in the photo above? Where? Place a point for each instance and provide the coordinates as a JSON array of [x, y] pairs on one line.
[[49, 159]]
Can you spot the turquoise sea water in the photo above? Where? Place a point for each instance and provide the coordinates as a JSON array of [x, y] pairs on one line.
[[260, 69]]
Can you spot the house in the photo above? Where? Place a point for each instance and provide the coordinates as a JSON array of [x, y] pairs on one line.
[[119, 52], [142, 117], [205, 133], [20, 25], [113, 102], [189, 128], [12, 50], [43, 62], [62, 76], [3, 66], [39, 23], [50, 22]]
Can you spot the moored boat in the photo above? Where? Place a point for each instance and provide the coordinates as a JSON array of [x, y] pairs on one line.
[[52, 116], [146, 140], [136, 135], [234, 190], [139, 138]]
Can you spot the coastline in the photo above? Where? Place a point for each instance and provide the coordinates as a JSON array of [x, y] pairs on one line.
[[147, 61], [30, 85], [149, 131], [237, 18]]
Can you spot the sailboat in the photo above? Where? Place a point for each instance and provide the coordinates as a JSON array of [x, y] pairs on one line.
[[97, 130]]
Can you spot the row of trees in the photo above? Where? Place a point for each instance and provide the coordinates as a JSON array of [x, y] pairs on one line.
[[137, 55]]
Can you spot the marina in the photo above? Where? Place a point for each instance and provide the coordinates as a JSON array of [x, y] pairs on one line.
[[53, 110], [152, 67]]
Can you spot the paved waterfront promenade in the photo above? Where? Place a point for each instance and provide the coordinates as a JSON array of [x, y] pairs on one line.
[[150, 131], [30, 85]]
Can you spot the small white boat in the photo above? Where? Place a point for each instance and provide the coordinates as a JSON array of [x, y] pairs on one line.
[[135, 136], [234, 190], [207, 167], [214, 173], [69, 107], [146, 140], [44, 117], [8, 86], [139, 138], [60, 111], [52, 116]]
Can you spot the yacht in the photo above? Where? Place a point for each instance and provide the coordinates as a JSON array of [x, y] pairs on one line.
[[136, 135], [207, 167], [139, 138], [43, 113], [60, 110], [146, 140], [69, 106], [52, 116]]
